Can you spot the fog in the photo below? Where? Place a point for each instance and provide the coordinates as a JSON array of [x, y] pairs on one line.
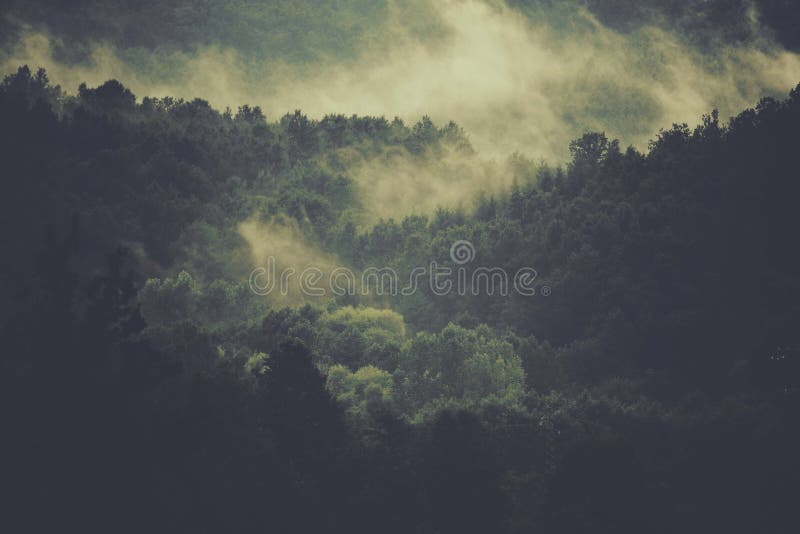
[[513, 84], [281, 240]]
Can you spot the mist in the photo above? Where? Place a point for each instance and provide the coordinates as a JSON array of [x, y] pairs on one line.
[[281, 240], [515, 83]]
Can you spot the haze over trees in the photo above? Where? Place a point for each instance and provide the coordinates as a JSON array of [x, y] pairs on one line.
[[525, 76]]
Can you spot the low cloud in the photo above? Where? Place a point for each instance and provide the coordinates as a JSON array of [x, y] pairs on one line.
[[515, 85]]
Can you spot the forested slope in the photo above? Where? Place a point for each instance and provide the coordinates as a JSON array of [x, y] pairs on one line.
[[652, 387]]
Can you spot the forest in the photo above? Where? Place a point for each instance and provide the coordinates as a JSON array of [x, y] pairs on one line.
[[147, 388], [608, 188]]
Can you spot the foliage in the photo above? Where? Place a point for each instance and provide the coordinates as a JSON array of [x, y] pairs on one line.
[[654, 389]]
